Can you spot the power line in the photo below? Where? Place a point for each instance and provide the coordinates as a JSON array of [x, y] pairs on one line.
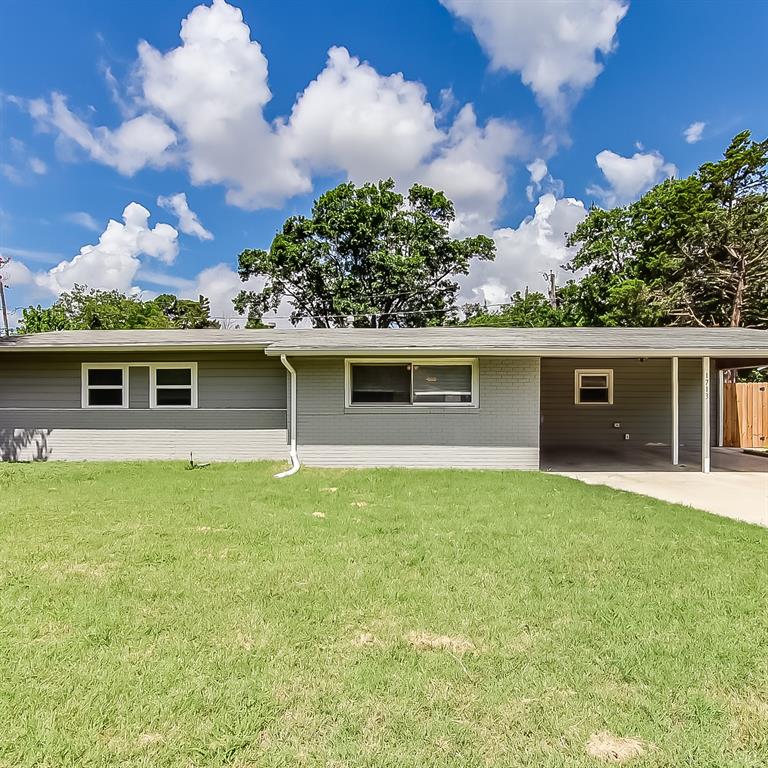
[[353, 314], [347, 316]]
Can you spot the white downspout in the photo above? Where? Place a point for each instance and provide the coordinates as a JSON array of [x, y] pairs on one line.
[[294, 455]]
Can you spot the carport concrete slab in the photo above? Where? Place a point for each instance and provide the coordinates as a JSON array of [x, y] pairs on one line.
[[739, 495]]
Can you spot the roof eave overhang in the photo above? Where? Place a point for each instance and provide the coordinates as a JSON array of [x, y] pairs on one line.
[[276, 350], [137, 348]]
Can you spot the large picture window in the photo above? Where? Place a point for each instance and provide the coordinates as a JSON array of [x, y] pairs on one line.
[[593, 387], [173, 385], [411, 382], [104, 386]]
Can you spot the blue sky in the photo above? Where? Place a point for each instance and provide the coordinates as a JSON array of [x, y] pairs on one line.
[[524, 112]]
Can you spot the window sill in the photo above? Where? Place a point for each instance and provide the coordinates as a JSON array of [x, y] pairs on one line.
[[410, 410], [173, 408], [103, 408]]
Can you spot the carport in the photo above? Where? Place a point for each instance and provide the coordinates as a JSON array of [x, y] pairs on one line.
[[639, 411]]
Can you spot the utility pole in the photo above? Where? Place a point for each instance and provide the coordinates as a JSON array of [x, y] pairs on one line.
[[2, 299], [551, 288]]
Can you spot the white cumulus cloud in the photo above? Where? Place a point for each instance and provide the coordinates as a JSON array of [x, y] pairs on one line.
[[471, 168], [351, 118], [525, 253], [219, 284], [15, 273], [113, 262], [629, 177], [189, 223], [201, 105], [694, 132], [136, 143], [553, 44], [213, 88]]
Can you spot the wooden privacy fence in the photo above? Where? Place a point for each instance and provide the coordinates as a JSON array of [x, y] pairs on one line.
[[745, 415]]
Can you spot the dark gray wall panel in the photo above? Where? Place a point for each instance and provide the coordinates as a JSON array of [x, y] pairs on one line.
[[225, 379], [642, 403]]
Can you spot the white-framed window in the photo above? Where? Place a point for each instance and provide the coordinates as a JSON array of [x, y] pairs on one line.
[[104, 385], [593, 386], [173, 385], [424, 382]]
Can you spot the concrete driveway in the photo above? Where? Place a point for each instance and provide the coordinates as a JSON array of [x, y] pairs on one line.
[[740, 495]]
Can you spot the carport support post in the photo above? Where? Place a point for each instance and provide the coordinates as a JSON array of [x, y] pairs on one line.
[[675, 413], [705, 415]]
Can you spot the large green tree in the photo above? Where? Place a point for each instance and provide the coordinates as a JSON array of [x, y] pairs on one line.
[[366, 257], [89, 309], [691, 251]]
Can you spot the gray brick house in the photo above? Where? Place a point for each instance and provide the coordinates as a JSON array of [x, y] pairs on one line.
[[434, 397]]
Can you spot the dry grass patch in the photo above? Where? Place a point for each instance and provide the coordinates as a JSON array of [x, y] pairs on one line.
[[246, 642], [425, 641], [148, 739], [51, 632], [749, 721], [365, 639], [614, 749], [91, 570]]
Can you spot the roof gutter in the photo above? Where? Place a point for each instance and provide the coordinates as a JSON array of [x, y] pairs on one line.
[[294, 454]]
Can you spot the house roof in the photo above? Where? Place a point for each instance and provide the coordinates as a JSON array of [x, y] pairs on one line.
[[144, 339], [505, 341], [563, 342]]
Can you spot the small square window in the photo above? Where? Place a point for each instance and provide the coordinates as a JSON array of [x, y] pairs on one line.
[[594, 387], [104, 386]]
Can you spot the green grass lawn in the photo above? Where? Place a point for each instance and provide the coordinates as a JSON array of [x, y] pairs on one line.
[[155, 616]]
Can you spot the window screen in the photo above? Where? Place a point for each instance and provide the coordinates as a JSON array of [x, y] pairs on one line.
[[386, 383], [442, 383]]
